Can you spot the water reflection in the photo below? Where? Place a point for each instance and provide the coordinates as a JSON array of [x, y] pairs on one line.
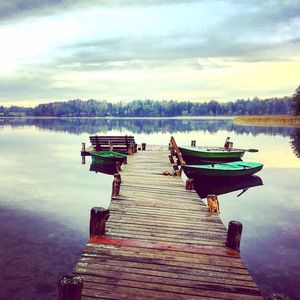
[[295, 141], [46, 196], [143, 126], [105, 169], [218, 186]]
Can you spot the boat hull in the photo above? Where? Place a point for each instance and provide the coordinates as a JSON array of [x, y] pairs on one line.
[[194, 154], [234, 169], [223, 185], [107, 157]]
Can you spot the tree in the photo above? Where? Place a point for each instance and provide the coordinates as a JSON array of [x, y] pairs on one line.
[[295, 102]]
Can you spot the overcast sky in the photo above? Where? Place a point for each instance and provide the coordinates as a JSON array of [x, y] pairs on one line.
[[125, 50]]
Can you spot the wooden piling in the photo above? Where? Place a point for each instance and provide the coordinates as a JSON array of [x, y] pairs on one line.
[[99, 216], [116, 187], [118, 166], [143, 146], [234, 235], [171, 159], [118, 176], [189, 184], [70, 287], [83, 147], [193, 143]]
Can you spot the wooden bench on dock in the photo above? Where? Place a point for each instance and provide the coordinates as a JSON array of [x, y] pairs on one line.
[[123, 144]]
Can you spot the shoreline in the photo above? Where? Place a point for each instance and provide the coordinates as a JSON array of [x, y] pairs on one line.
[[126, 118], [265, 120]]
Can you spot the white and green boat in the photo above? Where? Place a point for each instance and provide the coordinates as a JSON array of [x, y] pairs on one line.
[[194, 154], [230, 169]]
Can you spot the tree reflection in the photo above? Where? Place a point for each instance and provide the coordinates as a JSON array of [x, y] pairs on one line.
[[295, 141], [93, 126]]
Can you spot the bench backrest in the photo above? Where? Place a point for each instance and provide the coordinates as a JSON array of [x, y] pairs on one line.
[[121, 143]]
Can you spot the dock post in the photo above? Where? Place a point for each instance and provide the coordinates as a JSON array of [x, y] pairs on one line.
[[82, 147], [118, 166], [234, 234], [213, 203], [125, 160], [189, 184], [70, 287], [99, 216], [143, 146], [118, 177], [193, 143], [116, 187], [177, 172], [171, 159], [83, 159]]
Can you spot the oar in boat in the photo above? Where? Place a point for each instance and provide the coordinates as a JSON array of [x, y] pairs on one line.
[[247, 150]]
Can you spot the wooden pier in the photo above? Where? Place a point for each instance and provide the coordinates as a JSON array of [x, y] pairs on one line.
[[160, 241]]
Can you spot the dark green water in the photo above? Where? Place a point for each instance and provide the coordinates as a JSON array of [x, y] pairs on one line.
[[46, 195]]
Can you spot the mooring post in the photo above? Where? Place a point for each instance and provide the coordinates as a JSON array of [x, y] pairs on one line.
[[118, 166], [193, 143], [143, 146], [177, 171], [213, 203], [118, 176], [189, 184], [83, 159], [234, 235], [82, 147], [171, 159], [70, 287], [116, 184], [99, 216]]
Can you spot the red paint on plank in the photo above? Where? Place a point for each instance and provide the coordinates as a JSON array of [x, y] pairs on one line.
[[156, 246]]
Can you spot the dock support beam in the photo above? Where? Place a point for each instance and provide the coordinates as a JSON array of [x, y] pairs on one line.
[[143, 146], [189, 184], [99, 216], [234, 235], [70, 287]]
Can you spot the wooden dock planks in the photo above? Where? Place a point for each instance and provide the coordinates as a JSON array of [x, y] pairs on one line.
[[161, 242]]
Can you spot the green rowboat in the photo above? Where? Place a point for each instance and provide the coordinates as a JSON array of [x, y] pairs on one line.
[[232, 169], [107, 157], [193, 154]]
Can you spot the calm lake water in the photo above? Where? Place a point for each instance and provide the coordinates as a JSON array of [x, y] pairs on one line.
[[46, 195]]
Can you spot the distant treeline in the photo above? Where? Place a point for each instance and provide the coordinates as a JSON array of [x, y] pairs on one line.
[[153, 108]]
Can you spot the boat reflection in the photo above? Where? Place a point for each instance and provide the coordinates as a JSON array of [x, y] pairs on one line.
[[218, 186], [101, 168]]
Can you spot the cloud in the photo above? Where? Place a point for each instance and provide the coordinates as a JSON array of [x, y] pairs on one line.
[[69, 49]]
